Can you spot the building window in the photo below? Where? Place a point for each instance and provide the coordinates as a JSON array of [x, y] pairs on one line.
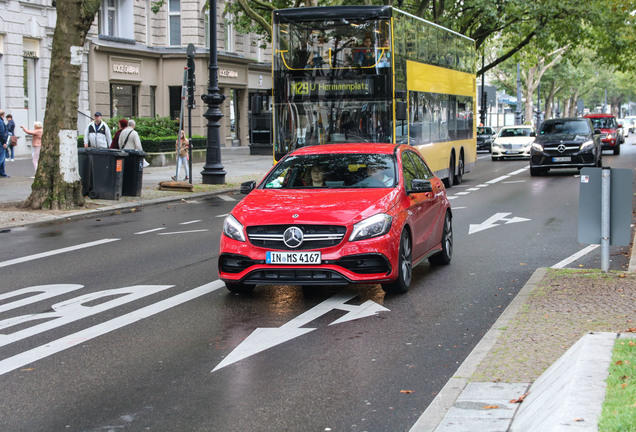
[[123, 100], [116, 19], [153, 101], [229, 33], [175, 101], [174, 22]]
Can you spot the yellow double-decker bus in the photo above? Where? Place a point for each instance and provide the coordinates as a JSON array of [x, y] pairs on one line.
[[374, 74]]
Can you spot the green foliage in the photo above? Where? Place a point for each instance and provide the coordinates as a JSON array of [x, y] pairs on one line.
[[619, 412], [149, 128]]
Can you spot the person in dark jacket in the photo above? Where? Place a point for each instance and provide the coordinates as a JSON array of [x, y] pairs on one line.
[[11, 130], [4, 143]]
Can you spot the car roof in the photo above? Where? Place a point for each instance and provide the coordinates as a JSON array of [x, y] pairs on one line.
[[380, 148], [518, 127]]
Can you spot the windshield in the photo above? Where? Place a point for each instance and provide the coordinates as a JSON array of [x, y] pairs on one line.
[[516, 132], [484, 131], [604, 122], [353, 170], [565, 127]]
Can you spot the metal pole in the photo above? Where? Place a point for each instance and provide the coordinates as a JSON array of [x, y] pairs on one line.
[[518, 110], [605, 217], [183, 96], [482, 110], [213, 172]]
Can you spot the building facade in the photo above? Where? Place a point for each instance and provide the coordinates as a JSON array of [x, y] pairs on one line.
[[134, 62], [26, 36]]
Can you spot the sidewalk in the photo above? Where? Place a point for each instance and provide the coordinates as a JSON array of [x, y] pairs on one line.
[[534, 332], [237, 162]]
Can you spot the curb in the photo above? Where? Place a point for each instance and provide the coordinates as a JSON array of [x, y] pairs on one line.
[[445, 399]]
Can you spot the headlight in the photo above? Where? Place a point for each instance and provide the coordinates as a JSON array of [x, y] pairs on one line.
[[537, 147], [610, 136], [587, 145], [371, 227], [233, 228]]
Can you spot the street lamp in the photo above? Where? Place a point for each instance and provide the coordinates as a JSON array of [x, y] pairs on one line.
[[213, 172]]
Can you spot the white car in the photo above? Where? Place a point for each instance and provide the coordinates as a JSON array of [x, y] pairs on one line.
[[629, 125], [513, 142]]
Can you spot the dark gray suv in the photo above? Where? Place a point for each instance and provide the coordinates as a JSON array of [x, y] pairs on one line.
[[565, 143]]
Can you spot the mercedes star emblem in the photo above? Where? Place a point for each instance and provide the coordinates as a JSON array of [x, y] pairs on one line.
[[293, 237]]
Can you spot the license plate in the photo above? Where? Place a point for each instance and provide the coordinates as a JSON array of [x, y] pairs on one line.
[[300, 258], [512, 152], [562, 159]]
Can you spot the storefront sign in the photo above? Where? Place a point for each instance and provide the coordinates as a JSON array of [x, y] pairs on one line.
[[30, 48], [125, 69], [228, 73]]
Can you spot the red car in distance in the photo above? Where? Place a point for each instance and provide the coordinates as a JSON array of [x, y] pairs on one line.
[[338, 214], [609, 131]]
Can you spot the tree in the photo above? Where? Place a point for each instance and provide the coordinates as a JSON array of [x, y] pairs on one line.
[[57, 183]]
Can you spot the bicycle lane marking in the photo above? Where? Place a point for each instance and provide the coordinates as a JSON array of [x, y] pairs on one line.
[[35, 354]]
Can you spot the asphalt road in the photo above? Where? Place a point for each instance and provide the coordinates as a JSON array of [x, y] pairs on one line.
[[129, 328]]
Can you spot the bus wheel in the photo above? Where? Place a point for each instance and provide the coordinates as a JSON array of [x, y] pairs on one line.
[[460, 171], [451, 173]]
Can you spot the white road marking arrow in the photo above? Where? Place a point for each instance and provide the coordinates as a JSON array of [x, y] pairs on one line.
[[265, 338], [490, 222]]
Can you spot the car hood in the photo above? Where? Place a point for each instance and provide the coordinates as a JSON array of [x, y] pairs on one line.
[[523, 140], [324, 206], [557, 138]]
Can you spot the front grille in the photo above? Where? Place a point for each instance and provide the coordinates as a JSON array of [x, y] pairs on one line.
[[569, 149], [314, 236]]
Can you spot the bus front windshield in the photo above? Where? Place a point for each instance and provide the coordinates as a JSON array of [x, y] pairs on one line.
[[332, 83]]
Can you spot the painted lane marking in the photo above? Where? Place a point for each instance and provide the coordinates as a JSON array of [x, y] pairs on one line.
[[56, 252], [519, 171], [574, 257], [40, 292], [490, 222], [474, 189], [72, 310], [222, 215], [28, 357], [498, 179], [190, 222], [183, 232], [226, 198], [150, 230], [262, 339], [461, 193]]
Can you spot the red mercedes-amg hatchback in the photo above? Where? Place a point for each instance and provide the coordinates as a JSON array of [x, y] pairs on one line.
[[338, 214]]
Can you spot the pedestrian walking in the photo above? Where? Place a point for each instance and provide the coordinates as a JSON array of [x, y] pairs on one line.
[[123, 124], [36, 143], [13, 140], [4, 135], [97, 133], [129, 138], [182, 155]]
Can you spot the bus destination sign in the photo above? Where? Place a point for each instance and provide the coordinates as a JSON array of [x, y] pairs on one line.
[[327, 89]]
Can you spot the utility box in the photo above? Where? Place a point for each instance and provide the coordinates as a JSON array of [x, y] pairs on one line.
[[620, 206]]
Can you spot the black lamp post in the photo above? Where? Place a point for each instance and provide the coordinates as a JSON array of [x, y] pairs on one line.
[[482, 110], [213, 172]]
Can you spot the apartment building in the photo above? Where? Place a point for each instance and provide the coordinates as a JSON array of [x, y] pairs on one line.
[[134, 65]]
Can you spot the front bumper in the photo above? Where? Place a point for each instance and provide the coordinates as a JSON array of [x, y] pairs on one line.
[[510, 152], [340, 265], [554, 159]]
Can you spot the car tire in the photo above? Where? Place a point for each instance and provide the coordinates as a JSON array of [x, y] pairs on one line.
[[617, 150], [405, 267], [460, 171], [239, 288], [446, 254]]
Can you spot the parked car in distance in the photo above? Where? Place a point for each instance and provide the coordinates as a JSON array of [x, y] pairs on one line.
[[485, 136], [337, 214], [565, 143], [513, 142], [609, 131]]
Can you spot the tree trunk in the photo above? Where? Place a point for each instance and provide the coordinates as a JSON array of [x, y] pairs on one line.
[[57, 183]]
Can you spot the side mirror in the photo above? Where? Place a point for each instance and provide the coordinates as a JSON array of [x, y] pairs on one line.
[[597, 131], [419, 186], [248, 187], [620, 126]]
